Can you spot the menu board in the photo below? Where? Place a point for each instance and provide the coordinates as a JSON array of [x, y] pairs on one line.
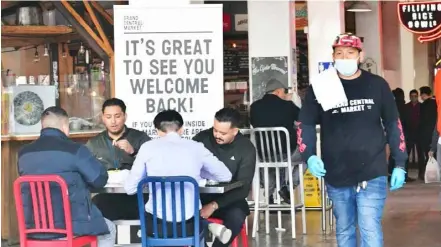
[[236, 60]]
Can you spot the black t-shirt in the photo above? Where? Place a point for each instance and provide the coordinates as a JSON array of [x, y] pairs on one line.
[[272, 111], [353, 134], [240, 158]]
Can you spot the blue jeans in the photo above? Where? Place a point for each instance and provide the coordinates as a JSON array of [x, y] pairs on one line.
[[364, 208]]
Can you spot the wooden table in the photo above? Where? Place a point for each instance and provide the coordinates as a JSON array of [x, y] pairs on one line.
[[208, 189]]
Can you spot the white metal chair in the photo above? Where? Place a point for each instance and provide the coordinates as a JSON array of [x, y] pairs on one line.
[[270, 146]]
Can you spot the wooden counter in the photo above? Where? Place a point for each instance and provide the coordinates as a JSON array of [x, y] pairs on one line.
[[10, 146]]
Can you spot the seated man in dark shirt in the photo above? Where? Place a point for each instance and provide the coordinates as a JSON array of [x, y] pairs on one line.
[[274, 110], [238, 153], [116, 149]]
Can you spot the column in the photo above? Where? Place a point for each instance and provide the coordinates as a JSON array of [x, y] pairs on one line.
[[390, 39], [270, 27], [270, 24], [407, 60], [421, 65], [369, 26], [325, 23]]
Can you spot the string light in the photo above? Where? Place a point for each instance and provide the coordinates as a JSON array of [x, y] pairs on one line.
[[46, 51], [64, 54], [36, 56], [87, 57], [82, 50]]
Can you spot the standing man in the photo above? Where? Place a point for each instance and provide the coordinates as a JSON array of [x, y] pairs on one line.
[[276, 110], [404, 118], [238, 153], [171, 155], [353, 146], [428, 116], [412, 119], [53, 153], [116, 149]]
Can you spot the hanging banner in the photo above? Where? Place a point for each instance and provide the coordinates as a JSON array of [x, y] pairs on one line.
[[422, 18], [162, 64]]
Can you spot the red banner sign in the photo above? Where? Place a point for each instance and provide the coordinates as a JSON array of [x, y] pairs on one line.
[[227, 22], [423, 18]]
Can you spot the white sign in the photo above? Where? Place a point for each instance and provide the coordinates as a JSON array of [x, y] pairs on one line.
[[169, 57], [241, 22]]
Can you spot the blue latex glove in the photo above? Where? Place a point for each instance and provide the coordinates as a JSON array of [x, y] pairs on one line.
[[397, 179], [316, 166]]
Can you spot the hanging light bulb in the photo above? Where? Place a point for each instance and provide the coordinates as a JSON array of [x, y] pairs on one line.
[[36, 56], [81, 51], [64, 54], [46, 51], [87, 57]]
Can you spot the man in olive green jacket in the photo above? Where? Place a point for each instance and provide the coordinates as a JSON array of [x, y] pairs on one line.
[[116, 149]]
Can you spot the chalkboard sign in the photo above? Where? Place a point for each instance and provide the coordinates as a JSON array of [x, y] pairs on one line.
[[235, 60], [264, 69]]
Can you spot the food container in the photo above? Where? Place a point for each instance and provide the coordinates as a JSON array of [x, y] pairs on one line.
[[29, 16]]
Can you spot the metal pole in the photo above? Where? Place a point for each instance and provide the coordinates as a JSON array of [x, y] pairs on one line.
[[323, 201]]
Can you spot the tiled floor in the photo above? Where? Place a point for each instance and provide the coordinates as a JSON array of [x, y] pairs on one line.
[[412, 219]]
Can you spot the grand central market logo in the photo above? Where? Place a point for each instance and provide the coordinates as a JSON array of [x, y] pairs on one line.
[[423, 18]]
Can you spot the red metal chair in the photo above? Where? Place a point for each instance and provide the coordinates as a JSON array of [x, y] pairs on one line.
[[242, 234], [39, 187]]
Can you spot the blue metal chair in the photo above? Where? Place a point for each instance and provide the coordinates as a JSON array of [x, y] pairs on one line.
[[164, 240]]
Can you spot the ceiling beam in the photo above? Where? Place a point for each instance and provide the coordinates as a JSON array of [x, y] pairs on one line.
[[97, 25], [82, 28], [102, 12]]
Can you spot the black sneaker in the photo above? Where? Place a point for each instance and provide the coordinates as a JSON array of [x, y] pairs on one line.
[[271, 200], [284, 193]]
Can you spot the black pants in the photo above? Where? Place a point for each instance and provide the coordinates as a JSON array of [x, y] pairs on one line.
[[233, 218], [415, 145], [425, 147], [118, 206], [189, 227]]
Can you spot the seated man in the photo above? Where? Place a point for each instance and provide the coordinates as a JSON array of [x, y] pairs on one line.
[[238, 153], [274, 110], [54, 154], [171, 155], [116, 148]]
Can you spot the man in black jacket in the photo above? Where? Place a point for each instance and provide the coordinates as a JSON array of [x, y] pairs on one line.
[[238, 153], [274, 110], [53, 153], [116, 149], [428, 116], [353, 144]]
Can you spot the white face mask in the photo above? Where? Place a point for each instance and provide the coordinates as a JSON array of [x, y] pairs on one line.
[[346, 67]]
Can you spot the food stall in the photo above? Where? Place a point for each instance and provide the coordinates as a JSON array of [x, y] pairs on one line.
[[53, 53]]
